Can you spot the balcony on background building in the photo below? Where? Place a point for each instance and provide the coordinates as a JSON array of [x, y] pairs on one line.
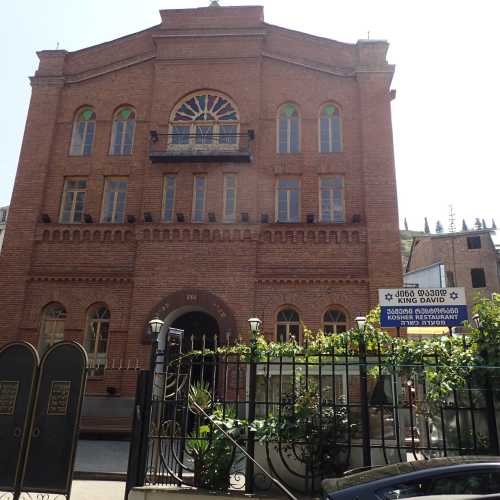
[[203, 146]]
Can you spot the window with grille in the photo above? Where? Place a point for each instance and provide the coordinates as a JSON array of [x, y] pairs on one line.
[[82, 139], [115, 195], [205, 120], [73, 201], [332, 206], [287, 325]]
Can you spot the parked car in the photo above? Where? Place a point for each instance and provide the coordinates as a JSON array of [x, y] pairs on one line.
[[441, 477]]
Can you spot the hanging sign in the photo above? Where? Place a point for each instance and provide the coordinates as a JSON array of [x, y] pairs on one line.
[[403, 307]]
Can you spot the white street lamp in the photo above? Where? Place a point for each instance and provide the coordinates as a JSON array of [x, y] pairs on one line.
[[476, 319], [255, 324], [155, 326], [361, 322]]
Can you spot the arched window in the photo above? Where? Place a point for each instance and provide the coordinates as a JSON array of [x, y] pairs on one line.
[[122, 140], [52, 327], [329, 129], [287, 325], [289, 129], [96, 339], [334, 321], [205, 120], [83, 133]]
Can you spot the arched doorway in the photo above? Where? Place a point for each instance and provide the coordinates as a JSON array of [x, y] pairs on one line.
[[200, 330]]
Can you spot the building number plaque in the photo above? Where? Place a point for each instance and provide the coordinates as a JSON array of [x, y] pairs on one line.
[[58, 398], [8, 396]]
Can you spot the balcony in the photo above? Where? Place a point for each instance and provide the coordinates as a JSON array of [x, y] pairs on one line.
[[202, 146]]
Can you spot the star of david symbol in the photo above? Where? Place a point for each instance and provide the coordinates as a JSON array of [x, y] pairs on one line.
[[388, 296], [454, 295]]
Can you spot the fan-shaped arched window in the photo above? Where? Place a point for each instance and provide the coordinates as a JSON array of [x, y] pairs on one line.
[[288, 129], [205, 120], [96, 339], [287, 325], [334, 321], [330, 129], [83, 133], [52, 327], [122, 140]]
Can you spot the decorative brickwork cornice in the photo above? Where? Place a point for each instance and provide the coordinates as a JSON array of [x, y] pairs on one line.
[[269, 233], [118, 65], [308, 280], [82, 279], [47, 81]]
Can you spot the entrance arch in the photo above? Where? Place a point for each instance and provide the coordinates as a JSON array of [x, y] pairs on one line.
[[188, 301]]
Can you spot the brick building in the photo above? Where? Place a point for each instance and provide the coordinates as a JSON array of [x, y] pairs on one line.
[[205, 170], [468, 259]]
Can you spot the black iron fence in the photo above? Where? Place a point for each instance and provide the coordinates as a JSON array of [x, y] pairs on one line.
[[213, 416]]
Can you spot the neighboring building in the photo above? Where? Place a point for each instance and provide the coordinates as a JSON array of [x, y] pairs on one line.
[[433, 276], [205, 170], [469, 259], [4, 212]]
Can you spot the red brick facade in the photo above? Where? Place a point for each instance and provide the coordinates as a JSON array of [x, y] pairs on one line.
[[233, 270]]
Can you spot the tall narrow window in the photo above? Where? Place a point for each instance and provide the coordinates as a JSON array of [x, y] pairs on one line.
[[52, 327], [332, 199], [289, 129], [287, 325], [96, 339], [123, 132], [73, 201], [330, 129], [334, 321], [115, 194], [288, 200], [168, 198], [83, 133], [199, 188], [229, 197]]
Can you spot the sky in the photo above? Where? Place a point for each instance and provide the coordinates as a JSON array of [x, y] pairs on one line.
[[446, 116]]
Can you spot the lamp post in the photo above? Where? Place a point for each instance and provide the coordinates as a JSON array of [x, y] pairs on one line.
[[490, 403], [255, 324], [154, 327], [363, 390]]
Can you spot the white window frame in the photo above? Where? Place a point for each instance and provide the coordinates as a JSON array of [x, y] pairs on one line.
[[73, 204], [114, 209], [288, 190], [331, 198]]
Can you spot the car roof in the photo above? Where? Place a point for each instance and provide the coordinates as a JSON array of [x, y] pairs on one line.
[[388, 471]]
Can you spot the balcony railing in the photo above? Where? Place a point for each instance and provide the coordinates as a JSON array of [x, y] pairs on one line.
[[199, 147]]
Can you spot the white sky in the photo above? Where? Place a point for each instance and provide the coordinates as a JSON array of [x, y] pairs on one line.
[[446, 116]]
